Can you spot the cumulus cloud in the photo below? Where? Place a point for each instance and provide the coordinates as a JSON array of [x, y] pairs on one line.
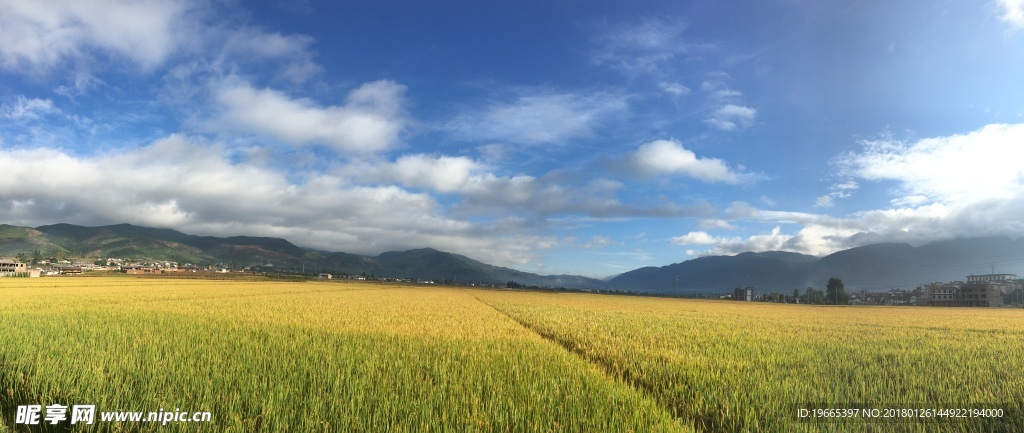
[[538, 117], [962, 168], [669, 157], [963, 185], [1013, 13], [443, 174], [194, 186], [732, 117], [371, 119], [694, 238], [773, 241], [79, 39], [39, 36]]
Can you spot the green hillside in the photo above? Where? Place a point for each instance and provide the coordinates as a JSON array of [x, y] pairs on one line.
[[128, 241]]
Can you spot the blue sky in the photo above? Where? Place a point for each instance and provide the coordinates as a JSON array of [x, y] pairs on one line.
[[554, 137]]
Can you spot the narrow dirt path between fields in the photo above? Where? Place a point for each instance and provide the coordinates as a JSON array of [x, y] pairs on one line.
[[571, 348]]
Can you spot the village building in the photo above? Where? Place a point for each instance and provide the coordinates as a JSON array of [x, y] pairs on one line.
[[979, 291], [743, 294], [11, 268]]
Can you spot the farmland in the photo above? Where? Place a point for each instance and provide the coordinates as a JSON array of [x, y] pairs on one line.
[[330, 356]]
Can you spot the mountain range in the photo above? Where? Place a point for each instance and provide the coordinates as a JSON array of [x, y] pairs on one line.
[[129, 241], [871, 267]]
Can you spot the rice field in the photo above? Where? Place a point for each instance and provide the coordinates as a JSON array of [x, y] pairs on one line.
[[727, 366], [340, 356]]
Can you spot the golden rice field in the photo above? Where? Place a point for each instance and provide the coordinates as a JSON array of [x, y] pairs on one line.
[[338, 356]]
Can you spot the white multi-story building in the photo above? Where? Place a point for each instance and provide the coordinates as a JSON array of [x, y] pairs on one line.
[[991, 278]]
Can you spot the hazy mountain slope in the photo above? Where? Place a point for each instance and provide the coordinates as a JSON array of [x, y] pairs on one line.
[[870, 267], [771, 270], [883, 266], [438, 265]]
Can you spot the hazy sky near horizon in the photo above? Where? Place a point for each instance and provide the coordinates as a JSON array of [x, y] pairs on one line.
[[562, 136]]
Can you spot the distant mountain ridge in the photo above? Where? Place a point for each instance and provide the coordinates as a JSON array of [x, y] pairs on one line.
[[130, 241], [871, 267]]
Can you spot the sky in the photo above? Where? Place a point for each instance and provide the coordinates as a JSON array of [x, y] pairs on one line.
[[576, 137]]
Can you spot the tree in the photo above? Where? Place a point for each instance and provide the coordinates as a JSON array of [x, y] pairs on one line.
[[21, 257], [796, 294], [814, 296], [835, 292], [37, 257]]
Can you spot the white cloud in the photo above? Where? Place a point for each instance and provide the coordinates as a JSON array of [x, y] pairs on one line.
[[538, 117], [79, 38], [729, 113], [28, 108], [642, 47], [674, 89], [1013, 13], [910, 200], [718, 89], [662, 157], [725, 94], [39, 36], [291, 52], [824, 201], [712, 223], [848, 185], [694, 238], [77, 83], [371, 119], [958, 169], [964, 185], [732, 117], [773, 241], [597, 242], [442, 174]]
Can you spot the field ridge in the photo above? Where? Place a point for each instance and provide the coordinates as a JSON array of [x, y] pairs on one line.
[[608, 370]]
